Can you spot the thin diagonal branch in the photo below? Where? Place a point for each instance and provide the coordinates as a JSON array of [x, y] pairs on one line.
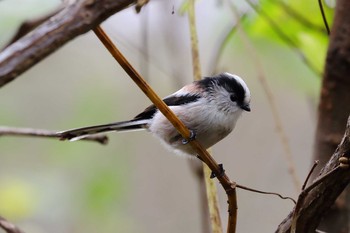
[[225, 181], [324, 17]]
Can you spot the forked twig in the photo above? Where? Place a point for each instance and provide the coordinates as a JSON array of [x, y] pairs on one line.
[[306, 191], [227, 184], [316, 162]]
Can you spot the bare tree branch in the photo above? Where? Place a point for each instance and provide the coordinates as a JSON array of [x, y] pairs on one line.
[[12, 131], [319, 196], [74, 20], [30, 25], [333, 110]]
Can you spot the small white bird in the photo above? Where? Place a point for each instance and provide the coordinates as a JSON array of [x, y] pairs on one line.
[[210, 108]]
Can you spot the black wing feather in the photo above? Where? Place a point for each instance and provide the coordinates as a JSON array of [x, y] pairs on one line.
[[170, 101]]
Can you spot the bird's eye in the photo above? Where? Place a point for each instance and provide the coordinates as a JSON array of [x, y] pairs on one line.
[[233, 98]]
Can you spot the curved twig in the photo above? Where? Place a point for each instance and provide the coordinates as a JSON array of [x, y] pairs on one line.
[[264, 192]]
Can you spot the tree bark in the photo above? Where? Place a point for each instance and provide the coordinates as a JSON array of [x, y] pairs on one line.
[[316, 201], [334, 108], [72, 21]]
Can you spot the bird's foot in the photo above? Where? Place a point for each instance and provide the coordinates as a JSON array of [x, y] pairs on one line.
[[191, 138], [221, 173]]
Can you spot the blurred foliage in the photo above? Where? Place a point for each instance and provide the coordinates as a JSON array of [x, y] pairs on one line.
[[17, 198], [99, 193], [297, 24]]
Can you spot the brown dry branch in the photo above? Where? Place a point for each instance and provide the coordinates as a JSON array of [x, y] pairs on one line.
[[225, 181], [74, 20], [29, 25], [334, 108], [14, 131], [321, 194], [9, 227]]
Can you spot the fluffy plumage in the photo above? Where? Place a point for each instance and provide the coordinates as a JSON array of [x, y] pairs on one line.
[[210, 107]]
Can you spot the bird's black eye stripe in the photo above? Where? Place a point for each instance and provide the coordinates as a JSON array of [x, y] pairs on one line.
[[233, 98], [232, 85]]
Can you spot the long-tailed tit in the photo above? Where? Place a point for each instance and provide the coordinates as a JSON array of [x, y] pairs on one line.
[[210, 108]]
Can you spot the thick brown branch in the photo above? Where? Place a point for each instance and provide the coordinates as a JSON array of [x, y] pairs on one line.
[[318, 200], [30, 25], [334, 108], [74, 20]]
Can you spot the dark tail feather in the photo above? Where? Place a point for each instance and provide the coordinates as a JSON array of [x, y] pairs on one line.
[[79, 133]]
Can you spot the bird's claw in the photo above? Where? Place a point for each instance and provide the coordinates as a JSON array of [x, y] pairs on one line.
[[191, 138], [222, 172]]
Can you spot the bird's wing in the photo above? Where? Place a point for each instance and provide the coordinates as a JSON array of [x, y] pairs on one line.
[[172, 100]]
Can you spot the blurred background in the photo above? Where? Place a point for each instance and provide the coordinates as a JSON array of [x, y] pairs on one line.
[[133, 184]]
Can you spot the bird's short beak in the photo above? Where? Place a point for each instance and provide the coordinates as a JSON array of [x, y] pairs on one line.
[[246, 107]]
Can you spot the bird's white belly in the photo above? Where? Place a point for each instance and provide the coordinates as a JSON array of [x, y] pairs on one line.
[[209, 129]]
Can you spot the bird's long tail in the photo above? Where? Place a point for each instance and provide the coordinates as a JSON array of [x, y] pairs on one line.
[[79, 133]]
